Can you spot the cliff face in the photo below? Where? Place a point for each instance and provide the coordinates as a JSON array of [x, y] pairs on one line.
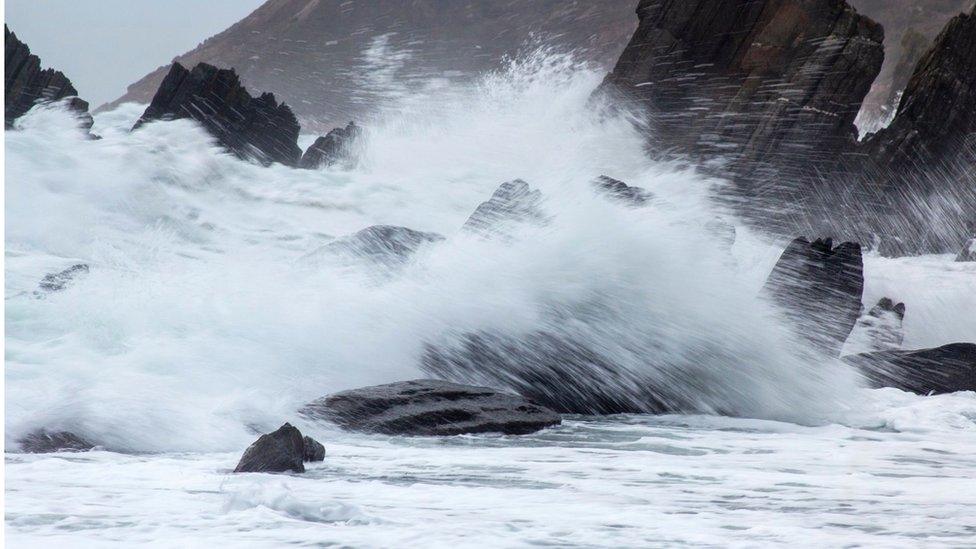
[[767, 83], [25, 83], [332, 59], [936, 119]]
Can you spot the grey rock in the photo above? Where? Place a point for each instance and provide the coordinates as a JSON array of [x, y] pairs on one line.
[[251, 127], [25, 84], [880, 329], [43, 442], [819, 288], [622, 192], [56, 282], [968, 252], [387, 245], [513, 203], [945, 369], [283, 450], [429, 407], [335, 147]]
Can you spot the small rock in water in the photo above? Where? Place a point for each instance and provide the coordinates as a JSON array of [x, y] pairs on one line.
[[428, 407], [283, 450], [881, 328], [514, 202], [55, 282], [44, 442], [384, 244], [941, 370], [819, 287], [622, 192], [968, 252], [336, 146]]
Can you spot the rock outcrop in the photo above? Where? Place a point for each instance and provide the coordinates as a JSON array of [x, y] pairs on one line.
[[880, 329], [945, 369], [25, 84], [428, 407], [622, 192], [387, 245], [819, 289], [283, 450], [335, 147], [44, 442], [936, 119], [251, 127], [56, 282], [513, 203], [765, 83]]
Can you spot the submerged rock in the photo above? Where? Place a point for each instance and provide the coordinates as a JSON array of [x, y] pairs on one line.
[[283, 450], [44, 442], [945, 369], [25, 84], [819, 288], [336, 146], [251, 127], [388, 245], [56, 282], [881, 328], [428, 407], [618, 190], [513, 203], [968, 252]]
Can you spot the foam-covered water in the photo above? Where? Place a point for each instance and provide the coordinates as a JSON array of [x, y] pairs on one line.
[[201, 320]]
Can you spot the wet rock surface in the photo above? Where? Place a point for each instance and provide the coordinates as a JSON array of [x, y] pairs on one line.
[[283, 450], [968, 252], [333, 148], [429, 407], [945, 369], [44, 442], [26, 84], [388, 245], [513, 203], [819, 288], [767, 83], [880, 329], [56, 282], [257, 128], [622, 192]]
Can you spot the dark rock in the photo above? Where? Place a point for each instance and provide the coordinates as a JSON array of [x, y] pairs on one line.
[[937, 109], [763, 82], [881, 328], [555, 371], [945, 369], [44, 442], [314, 451], [819, 288], [56, 282], [621, 191], [280, 451], [380, 244], [513, 203], [337, 146], [428, 407], [25, 84], [968, 252], [252, 128]]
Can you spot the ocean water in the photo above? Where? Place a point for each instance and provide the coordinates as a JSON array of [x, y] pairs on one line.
[[206, 318]]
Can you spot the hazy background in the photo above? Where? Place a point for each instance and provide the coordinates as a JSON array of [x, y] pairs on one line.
[[105, 45]]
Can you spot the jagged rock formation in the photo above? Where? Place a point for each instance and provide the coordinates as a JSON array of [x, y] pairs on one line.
[[252, 128], [336, 146], [945, 369], [428, 407], [25, 83], [283, 450], [513, 203], [622, 192], [936, 119], [819, 289], [56, 282], [44, 442], [384, 245], [766, 83], [328, 58], [880, 329]]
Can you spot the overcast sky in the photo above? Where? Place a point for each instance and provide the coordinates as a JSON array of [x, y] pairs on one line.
[[105, 45]]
